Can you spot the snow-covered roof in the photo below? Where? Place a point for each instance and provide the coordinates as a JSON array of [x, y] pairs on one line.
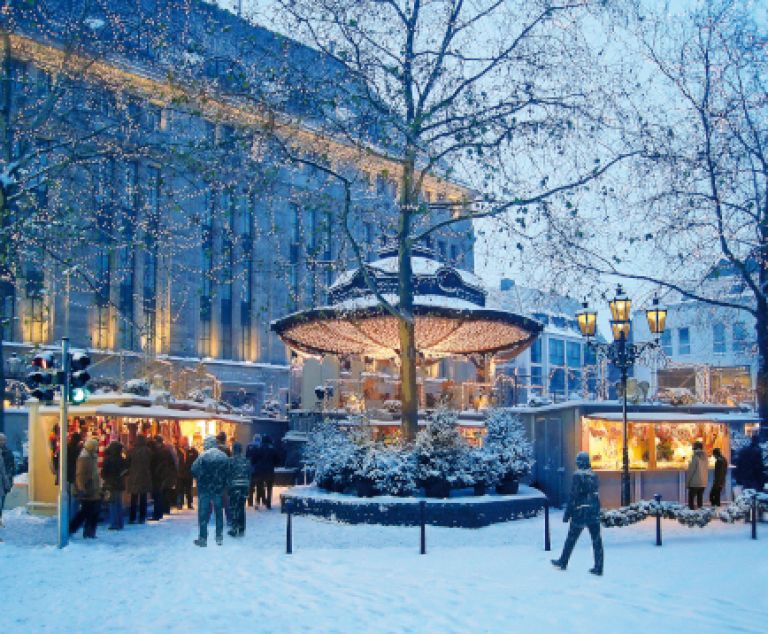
[[419, 265], [672, 417]]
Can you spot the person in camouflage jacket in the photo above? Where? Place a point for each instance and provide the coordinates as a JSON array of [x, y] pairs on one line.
[[583, 510], [211, 470], [239, 481]]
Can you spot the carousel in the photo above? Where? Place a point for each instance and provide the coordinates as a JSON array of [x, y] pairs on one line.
[[351, 345]]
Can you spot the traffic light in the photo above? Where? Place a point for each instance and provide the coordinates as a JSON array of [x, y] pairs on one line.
[[40, 377], [78, 377]]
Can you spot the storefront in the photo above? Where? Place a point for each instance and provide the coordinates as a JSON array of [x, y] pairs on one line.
[[120, 417], [660, 448]]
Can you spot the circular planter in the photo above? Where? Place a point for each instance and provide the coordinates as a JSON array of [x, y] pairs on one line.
[[461, 511]]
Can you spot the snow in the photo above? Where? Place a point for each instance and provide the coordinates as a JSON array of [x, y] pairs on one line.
[[420, 266], [370, 578]]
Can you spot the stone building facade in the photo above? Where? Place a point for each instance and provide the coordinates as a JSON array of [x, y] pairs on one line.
[[181, 229]]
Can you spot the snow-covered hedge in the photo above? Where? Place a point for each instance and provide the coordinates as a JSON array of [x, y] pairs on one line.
[[439, 459]]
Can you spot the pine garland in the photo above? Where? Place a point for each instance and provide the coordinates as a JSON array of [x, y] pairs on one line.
[[638, 511]]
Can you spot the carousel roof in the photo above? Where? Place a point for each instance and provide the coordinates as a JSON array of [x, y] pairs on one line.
[[449, 312]]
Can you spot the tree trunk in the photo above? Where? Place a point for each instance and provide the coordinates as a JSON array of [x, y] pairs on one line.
[[409, 394], [762, 367]]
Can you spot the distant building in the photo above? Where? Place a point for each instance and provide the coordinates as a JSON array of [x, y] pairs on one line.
[[711, 350], [559, 365]]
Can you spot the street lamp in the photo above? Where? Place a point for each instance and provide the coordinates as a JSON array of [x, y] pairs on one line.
[[622, 354]]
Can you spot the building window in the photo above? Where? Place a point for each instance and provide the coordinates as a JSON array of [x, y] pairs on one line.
[[718, 338], [536, 351], [683, 341], [666, 342], [556, 352], [740, 339], [537, 384]]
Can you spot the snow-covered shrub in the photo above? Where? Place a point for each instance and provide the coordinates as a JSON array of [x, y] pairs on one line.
[[140, 387], [440, 453], [479, 468], [398, 472], [332, 454], [506, 443]]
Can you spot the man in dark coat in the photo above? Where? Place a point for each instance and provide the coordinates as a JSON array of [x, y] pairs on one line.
[[239, 481], [750, 470], [139, 478], [251, 452], [718, 480], [163, 478], [211, 470], [7, 471], [263, 464], [187, 456], [113, 473], [583, 510]]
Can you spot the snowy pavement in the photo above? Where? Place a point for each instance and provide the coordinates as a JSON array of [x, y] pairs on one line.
[[152, 578]]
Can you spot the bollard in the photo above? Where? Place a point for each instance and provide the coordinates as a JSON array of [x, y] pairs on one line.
[[547, 544], [288, 536], [423, 521], [657, 499], [754, 516]]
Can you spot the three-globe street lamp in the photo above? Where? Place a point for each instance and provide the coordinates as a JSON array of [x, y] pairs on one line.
[[622, 354]]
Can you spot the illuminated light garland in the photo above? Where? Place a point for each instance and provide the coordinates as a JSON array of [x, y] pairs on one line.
[[218, 108]]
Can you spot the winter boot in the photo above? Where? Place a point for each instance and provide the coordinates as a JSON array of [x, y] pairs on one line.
[[201, 542], [557, 563], [596, 571], [219, 541], [232, 532]]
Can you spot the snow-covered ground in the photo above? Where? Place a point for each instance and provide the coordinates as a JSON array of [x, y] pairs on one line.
[[152, 578]]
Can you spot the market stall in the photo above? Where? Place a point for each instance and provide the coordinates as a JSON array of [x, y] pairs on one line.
[[659, 444], [120, 417]]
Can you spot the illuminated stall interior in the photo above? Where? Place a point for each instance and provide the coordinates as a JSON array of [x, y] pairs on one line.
[[656, 441]]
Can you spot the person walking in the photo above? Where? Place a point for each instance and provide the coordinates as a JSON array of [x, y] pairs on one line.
[[187, 456], [113, 473], [750, 470], [264, 465], [87, 490], [239, 481], [718, 480], [211, 470], [583, 510], [139, 478], [696, 476], [7, 471]]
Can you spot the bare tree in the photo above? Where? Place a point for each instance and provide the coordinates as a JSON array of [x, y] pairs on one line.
[[504, 96], [695, 206]]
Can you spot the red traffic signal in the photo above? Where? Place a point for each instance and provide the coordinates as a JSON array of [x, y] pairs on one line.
[[43, 360]]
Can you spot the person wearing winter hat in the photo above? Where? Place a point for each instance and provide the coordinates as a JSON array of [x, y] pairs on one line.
[[239, 480], [583, 510], [211, 470], [696, 476], [87, 490]]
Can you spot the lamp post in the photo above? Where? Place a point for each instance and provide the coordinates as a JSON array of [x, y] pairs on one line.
[[622, 355]]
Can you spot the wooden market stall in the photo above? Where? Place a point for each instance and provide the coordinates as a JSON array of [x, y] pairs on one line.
[[116, 417]]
